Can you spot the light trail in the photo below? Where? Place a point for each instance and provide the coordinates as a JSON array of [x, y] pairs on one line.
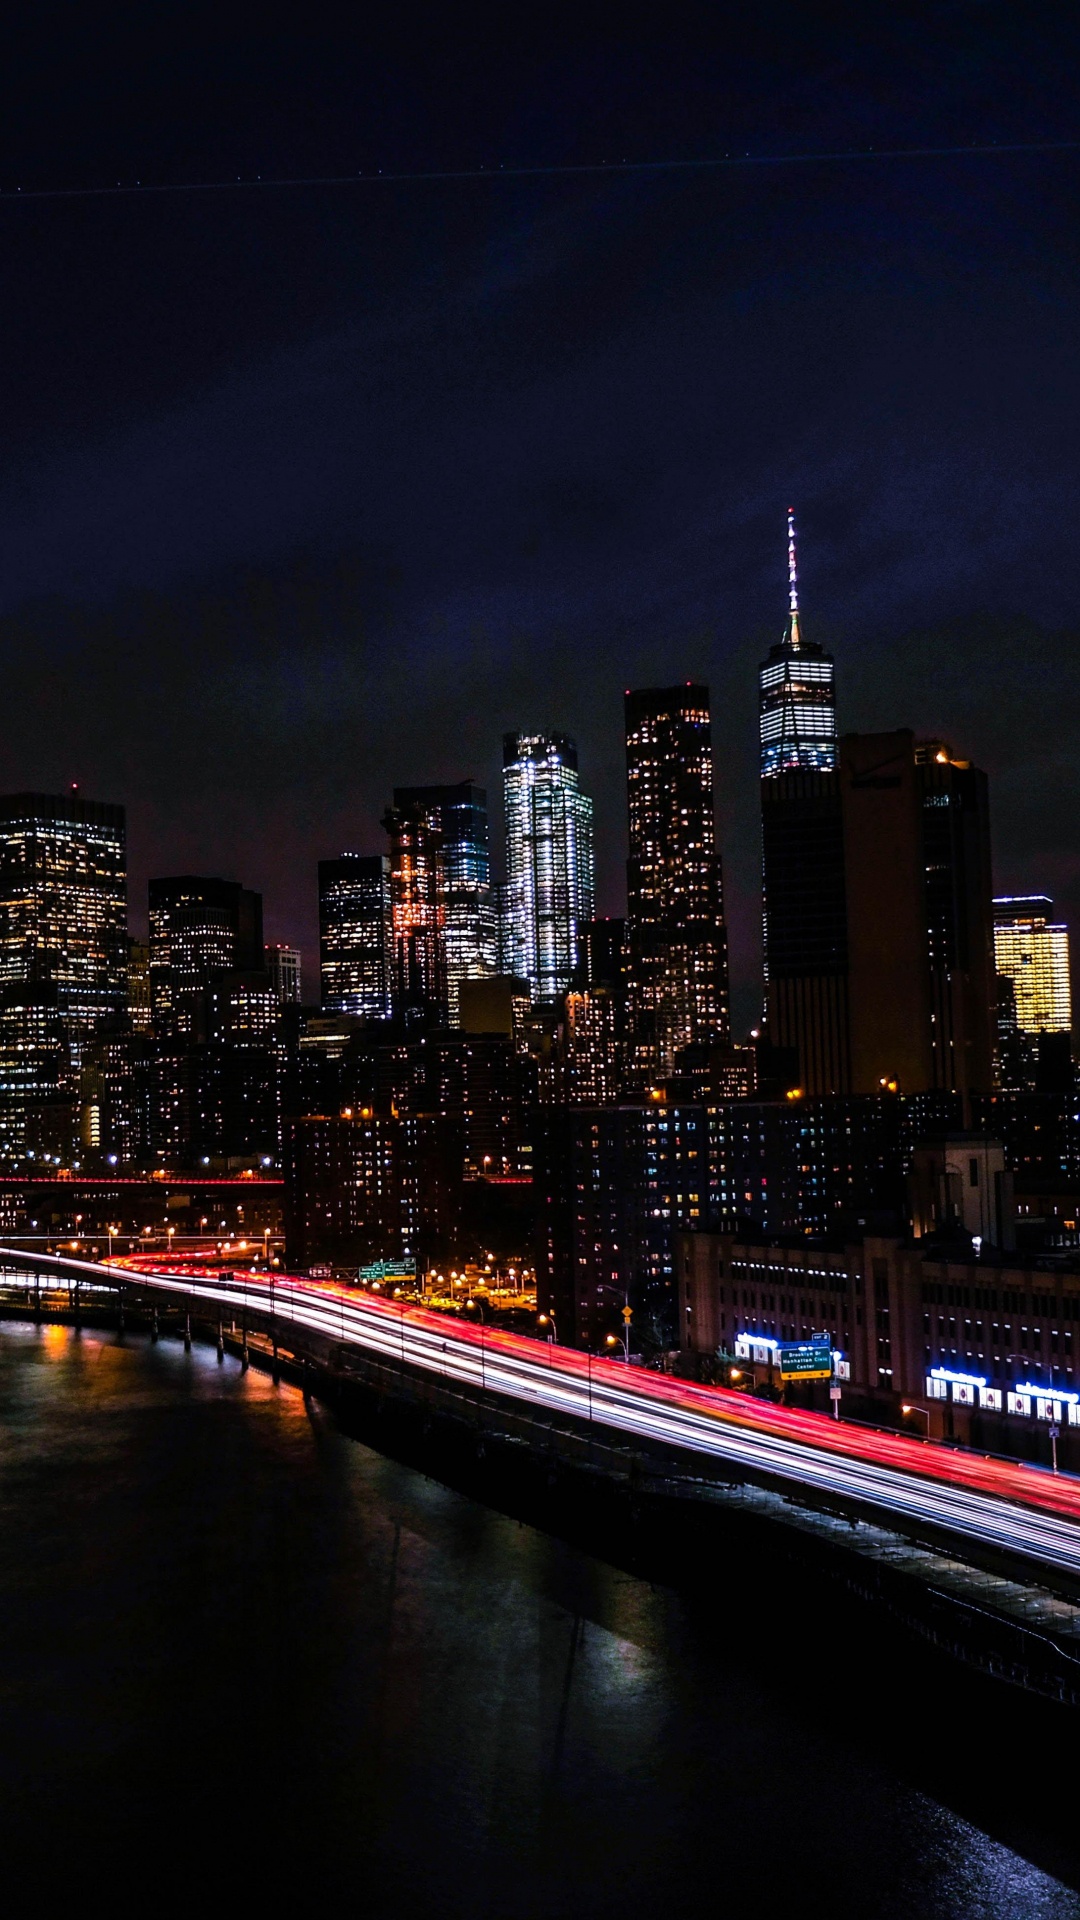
[[1014, 1508]]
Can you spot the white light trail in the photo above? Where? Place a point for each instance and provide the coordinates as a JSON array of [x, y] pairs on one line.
[[642, 1406]]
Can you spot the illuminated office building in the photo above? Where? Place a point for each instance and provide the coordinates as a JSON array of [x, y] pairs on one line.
[[458, 815], [804, 909], [63, 906], [199, 927], [549, 860], [283, 966], [797, 708], [678, 987], [418, 976], [38, 1075], [418, 981], [354, 935], [1034, 954]]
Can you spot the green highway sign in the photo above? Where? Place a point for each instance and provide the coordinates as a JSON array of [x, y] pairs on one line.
[[389, 1270], [805, 1360]]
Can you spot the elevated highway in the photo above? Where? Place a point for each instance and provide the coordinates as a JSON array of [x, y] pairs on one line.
[[1012, 1509]]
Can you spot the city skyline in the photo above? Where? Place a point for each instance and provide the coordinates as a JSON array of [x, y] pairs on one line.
[[742, 919], [539, 1096]]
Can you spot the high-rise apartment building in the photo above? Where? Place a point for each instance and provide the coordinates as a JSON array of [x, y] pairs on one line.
[[283, 966], [354, 935], [797, 708], [459, 816], [63, 905], [199, 927], [1034, 954], [549, 860], [678, 988]]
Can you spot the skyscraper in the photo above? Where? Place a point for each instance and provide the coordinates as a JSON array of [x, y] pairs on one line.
[[283, 966], [63, 906], [678, 988], [797, 708], [1034, 954], [877, 920], [199, 927], [418, 984], [458, 814], [804, 914], [954, 854], [549, 859], [354, 935]]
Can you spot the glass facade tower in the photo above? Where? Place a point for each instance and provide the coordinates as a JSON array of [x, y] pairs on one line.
[[549, 860], [459, 816], [797, 706]]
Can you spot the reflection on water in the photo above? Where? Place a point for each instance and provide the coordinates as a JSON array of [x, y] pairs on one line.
[[250, 1657]]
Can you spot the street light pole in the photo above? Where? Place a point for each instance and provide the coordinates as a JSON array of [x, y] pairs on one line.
[[923, 1413]]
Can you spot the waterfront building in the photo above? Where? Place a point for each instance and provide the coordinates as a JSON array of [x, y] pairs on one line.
[[931, 1339], [549, 860], [458, 815], [678, 990], [355, 935]]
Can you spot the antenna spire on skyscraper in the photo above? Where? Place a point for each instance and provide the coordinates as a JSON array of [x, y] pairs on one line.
[[793, 582]]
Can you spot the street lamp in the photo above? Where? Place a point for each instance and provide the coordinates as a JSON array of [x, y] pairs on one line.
[[548, 1320], [923, 1412]]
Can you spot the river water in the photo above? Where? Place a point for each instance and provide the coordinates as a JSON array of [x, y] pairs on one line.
[[243, 1657]]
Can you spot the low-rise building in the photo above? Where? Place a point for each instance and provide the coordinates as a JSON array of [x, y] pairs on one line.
[[985, 1350]]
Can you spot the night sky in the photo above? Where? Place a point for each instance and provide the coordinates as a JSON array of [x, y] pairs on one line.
[[309, 490]]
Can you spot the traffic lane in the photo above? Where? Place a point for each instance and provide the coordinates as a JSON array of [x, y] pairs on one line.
[[339, 1308]]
